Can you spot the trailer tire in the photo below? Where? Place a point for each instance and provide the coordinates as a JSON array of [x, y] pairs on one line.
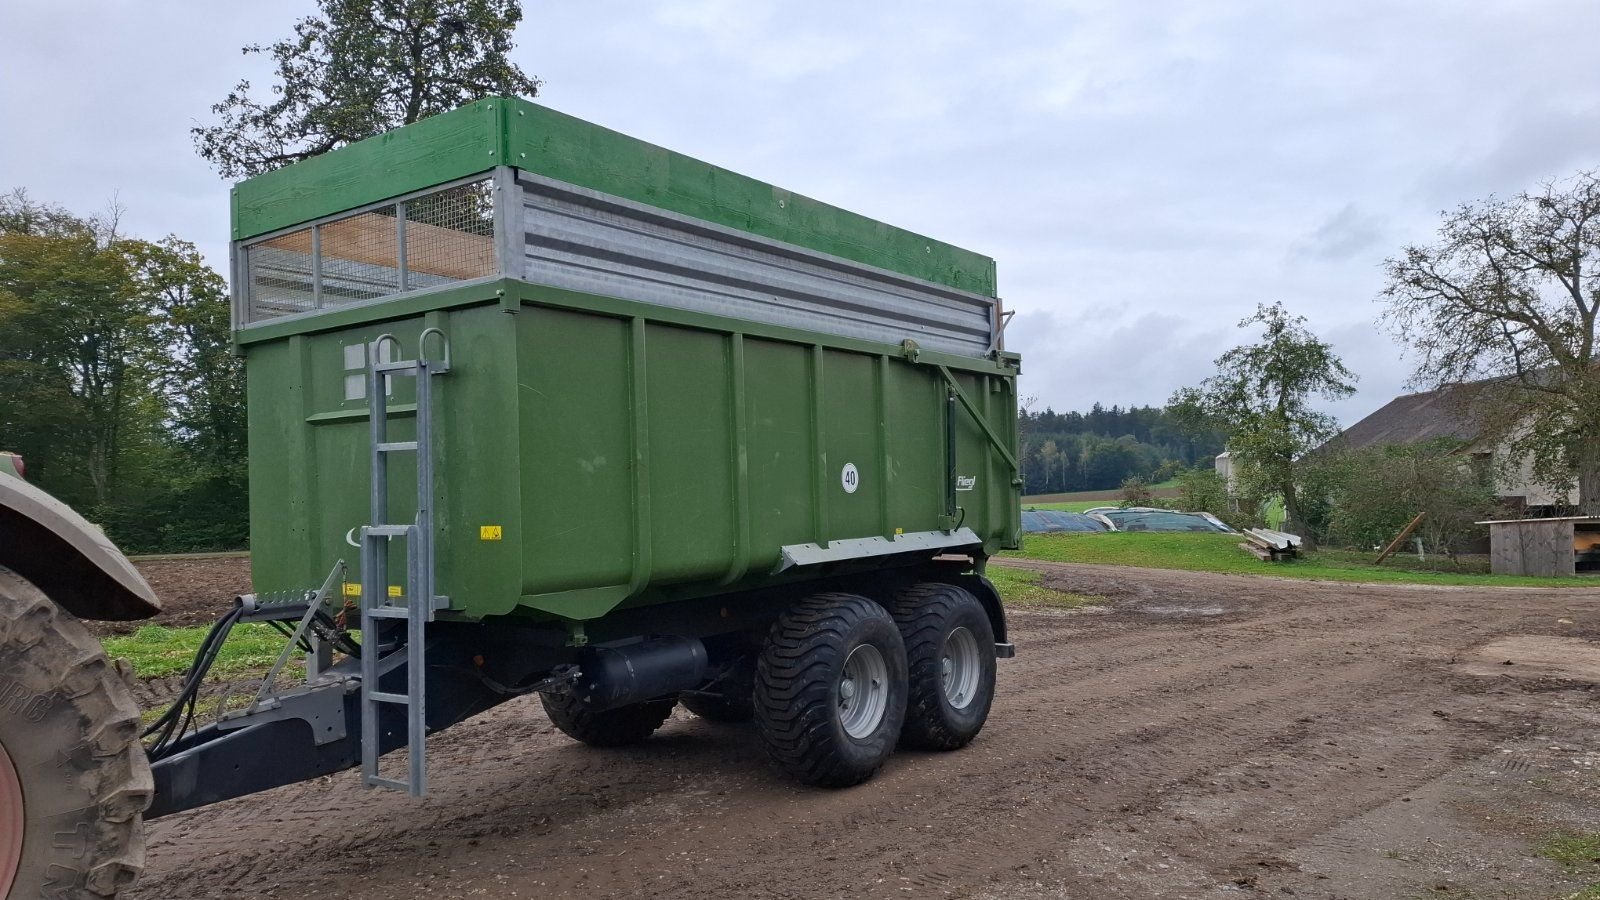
[[69, 752], [831, 689], [617, 727], [736, 702], [951, 658]]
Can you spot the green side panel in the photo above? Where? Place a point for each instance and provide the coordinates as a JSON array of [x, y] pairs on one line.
[[448, 146], [573, 399], [692, 515], [626, 454], [914, 421], [851, 437], [514, 132], [780, 445]]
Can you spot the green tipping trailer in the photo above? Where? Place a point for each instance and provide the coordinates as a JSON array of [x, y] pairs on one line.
[[536, 407], [667, 380]]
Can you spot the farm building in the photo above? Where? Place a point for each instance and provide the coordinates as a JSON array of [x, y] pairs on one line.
[[1441, 413]]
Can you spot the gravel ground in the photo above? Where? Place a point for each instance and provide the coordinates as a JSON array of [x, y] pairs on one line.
[[1199, 736]]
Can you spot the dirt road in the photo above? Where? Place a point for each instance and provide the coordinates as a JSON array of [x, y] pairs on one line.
[[1199, 736]]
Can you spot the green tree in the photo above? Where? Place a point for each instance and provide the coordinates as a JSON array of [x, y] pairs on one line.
[[76, 341], [203, 503], [1136, 492], [362, 67], [1261, 396], [1201, 489], [199, 373], [1504, 304], [1383, 488]]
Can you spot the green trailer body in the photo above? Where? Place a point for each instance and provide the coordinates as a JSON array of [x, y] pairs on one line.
[[600, 449]]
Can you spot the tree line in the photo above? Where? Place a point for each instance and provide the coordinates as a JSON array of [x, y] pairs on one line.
[[1104, 447]]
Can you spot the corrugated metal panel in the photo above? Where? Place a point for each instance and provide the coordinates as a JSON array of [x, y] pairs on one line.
[[583, 240]]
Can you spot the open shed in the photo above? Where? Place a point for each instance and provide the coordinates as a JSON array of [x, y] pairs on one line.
[[1546, 548]]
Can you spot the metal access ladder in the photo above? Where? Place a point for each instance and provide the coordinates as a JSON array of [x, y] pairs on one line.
[[386, 643]]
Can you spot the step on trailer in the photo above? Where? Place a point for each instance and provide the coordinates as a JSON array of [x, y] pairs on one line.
[[536, 407]]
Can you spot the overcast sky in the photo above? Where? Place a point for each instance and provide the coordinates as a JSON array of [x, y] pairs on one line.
[[1145, 173]]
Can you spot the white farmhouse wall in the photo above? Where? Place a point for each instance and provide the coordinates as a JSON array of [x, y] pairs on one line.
[[1516, 480]]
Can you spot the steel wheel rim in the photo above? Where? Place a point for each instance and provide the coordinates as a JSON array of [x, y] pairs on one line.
[[862, 695], [960, 668], [12, 823]]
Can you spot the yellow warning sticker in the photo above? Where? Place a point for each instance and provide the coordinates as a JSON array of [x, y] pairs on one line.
[[490, 533], [394, 590], [352, 590]]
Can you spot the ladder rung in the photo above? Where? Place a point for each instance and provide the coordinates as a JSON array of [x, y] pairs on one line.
[[402, 365], [395, 446], [393, 783], [386, 697], [387, 530], [388, 612]]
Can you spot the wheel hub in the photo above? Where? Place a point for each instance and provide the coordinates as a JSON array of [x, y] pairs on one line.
[[12, 823], [863, 693], [960, 668]]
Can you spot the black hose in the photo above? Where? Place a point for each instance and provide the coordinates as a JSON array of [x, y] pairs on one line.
[[175, 722]]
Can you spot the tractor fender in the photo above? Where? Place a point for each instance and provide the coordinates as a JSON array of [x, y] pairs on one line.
[[70, 560]]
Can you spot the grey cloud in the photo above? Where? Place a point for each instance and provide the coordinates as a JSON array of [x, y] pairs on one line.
[[1344, 235]]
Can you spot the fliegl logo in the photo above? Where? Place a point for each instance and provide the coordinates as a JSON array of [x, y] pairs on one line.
[[966, 482]]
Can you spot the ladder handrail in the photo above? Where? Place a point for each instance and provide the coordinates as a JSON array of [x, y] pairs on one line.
[[421, 598]]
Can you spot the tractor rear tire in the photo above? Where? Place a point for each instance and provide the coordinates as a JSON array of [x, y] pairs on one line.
[[74, 780], [950, 654], [608, 728], [831, 689]]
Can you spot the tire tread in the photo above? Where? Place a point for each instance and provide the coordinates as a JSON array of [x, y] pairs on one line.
[[923, 612], [793, 704], [60, 655]]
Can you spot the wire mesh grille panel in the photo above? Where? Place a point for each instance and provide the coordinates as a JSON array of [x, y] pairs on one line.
[[278, 277], [421, 242], [359, 257], [450, 234]]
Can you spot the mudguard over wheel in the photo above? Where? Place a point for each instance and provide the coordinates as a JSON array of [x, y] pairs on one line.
[[831, 689], [608, 728], [74, 780], [950, 654]]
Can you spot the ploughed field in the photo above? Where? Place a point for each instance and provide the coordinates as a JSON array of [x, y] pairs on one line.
[[1193, 735]]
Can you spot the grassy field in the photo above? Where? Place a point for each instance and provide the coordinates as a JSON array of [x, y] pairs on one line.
[[1112, 497], [157, 652], [1020, 587], [1220, 553]]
